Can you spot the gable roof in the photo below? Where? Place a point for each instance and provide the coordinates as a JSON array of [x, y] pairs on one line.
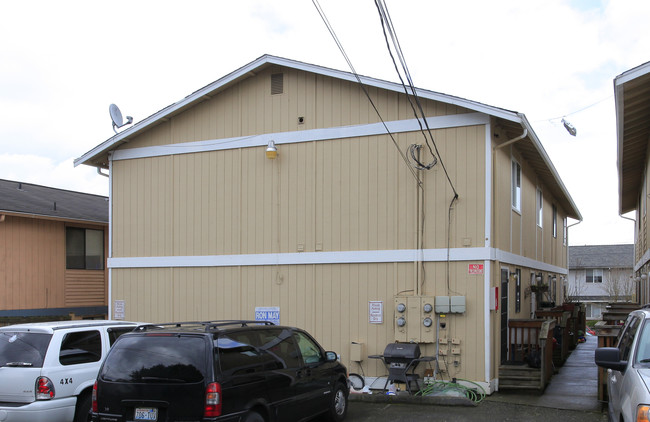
[[632, 99], [601, 256], [26, 199], [513, 123]]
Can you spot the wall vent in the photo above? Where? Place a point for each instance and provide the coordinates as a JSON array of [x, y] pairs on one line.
[[277, 83]]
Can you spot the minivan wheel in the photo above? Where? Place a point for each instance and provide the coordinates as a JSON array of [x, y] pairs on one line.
[[339, 406], [84, 402], [253, 417]]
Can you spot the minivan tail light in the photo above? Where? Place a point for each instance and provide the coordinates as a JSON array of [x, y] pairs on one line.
[[44, 388], [213, 400], [95, 407]]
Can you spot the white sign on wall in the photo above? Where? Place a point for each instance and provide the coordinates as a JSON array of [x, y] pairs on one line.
[[268, 313], [376, 312], [118, 309]]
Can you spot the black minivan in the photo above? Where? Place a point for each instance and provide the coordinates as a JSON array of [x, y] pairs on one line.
[[219, 371]]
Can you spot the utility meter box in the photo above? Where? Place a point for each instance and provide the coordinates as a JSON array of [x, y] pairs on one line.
[[442, 305], [356, 352], [457, 304]]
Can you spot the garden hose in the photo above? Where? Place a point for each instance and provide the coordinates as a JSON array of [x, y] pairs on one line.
[[474, 394]]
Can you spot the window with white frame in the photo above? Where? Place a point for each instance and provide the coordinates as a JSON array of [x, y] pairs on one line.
[[594, 275], [516, 186], [554, 221], [540, 206], [565, 229]]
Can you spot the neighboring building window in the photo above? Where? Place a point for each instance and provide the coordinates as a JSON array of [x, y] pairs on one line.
[[516, 186], [565, 229], [554, 221], [540, 205], [594, 275], [84, 249]]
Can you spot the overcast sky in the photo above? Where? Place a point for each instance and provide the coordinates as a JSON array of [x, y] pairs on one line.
[[62, 63]]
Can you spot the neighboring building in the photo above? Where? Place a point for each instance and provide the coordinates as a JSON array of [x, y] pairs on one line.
[[335, 233], [52, 260], [599, 274], [632, 99]]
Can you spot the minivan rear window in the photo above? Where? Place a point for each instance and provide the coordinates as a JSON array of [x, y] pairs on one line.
[[156, 359], [19, 349]]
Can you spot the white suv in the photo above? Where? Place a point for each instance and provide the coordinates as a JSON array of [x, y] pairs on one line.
[[47, 369]]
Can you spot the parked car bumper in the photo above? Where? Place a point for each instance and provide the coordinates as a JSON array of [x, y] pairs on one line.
[[61, 410]]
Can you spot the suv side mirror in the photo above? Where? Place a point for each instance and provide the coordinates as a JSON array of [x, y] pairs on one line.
[[331, 356], [610, 358]]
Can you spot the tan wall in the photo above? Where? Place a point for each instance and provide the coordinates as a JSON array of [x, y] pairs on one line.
[[518, 232], [325, 196], [248, 108], [32, 268], [330, 301]]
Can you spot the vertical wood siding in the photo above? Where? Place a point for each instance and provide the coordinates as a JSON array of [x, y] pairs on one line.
[[330, 301], [32, 263]]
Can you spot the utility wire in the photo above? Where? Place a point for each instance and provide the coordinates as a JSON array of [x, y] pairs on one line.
[[387, 25], [365, 91]]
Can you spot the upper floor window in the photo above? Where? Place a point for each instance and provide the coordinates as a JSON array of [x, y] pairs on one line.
[[540, 206], [594, 275], [84, 249], [565, 229], [554, 221], [516, 186]]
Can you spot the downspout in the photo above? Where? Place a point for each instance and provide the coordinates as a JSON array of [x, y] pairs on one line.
[[99, 171]]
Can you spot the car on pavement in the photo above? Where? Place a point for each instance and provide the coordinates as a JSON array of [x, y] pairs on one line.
[[47, 369], [628, 369], [219, 371]]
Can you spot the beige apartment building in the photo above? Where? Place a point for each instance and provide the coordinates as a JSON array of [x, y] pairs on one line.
[[342, 227]]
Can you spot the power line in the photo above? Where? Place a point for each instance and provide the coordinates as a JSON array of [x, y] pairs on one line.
[[365, 91], [389, 29]]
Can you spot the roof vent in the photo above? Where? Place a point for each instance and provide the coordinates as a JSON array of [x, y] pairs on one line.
[[277, 83]]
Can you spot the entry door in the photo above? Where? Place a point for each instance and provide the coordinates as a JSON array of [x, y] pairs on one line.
[[504, 315]]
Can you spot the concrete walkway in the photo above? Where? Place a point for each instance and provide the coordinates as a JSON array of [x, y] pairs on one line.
[[575, 387]]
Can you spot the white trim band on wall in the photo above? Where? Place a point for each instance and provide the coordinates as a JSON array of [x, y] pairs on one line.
[[341, 257], [341, 132]]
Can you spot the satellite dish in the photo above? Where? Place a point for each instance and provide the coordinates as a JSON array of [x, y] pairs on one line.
[[116, 117]]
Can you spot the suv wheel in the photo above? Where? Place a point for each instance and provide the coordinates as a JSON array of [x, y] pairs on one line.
[[339, 406], [253, 417], [83, 407]]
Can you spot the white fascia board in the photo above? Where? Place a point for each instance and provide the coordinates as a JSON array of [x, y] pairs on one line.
[[341, 132], [338, 257], [521, 261], [251, 67], [619, 104], [632, 74]]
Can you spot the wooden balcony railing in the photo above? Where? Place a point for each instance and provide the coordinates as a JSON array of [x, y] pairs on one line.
[[528, 337]]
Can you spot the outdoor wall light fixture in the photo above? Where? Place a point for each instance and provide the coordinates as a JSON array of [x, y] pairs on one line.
[[539, 278], [644, 277], [271, 151]]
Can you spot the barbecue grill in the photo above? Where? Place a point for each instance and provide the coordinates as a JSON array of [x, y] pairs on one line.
[[400, 358]]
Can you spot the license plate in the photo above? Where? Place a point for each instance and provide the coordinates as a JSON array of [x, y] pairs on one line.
[[146, 414]]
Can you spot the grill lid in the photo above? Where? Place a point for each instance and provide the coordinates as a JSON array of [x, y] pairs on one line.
[[402, 351]]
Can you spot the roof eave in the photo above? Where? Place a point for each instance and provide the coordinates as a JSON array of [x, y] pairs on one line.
[[250, 68]]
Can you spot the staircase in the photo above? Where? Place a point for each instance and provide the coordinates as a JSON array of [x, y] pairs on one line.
[[520, 377]]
